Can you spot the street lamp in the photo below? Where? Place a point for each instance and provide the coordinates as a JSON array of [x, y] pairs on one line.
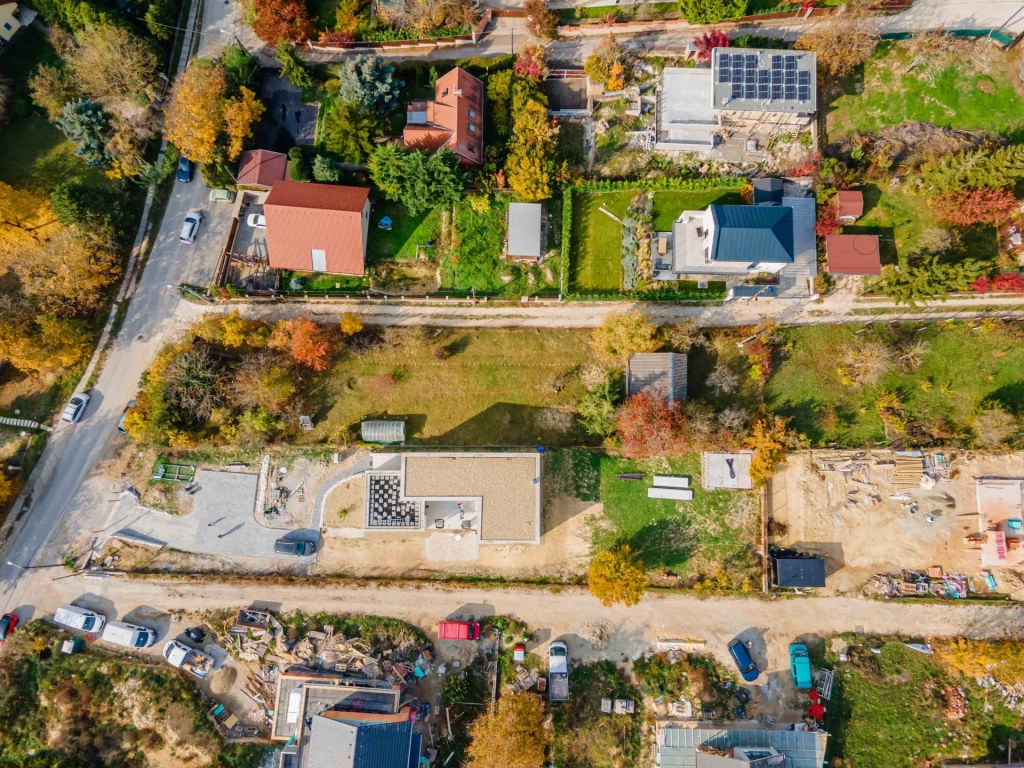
[[30, 567]]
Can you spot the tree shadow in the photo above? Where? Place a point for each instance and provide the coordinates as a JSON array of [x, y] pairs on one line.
[[1009, 396], [666, 543], [514, 424]]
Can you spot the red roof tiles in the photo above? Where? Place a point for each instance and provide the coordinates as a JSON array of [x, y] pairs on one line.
[[853, 255], [454, 118], [851, 203], [261, 168], [303, 218]]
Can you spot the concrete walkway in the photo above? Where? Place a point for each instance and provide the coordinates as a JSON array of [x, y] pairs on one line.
[[591, 314]]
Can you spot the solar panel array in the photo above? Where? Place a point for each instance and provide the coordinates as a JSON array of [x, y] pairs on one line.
[[749, 81]]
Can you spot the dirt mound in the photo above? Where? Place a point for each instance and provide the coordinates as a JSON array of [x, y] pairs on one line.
[[912, 144], [223, 680]]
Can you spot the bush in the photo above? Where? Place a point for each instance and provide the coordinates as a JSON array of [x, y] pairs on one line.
[[298, 165], [711, 11]]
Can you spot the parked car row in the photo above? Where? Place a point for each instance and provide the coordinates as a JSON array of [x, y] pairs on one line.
[[800, 671]]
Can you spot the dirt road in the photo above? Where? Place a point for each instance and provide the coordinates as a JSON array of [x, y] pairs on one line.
[[564, 613]]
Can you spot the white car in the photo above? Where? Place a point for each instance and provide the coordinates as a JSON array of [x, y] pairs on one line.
[[222, 196], [190, 228], [75, 408], [257, 220]]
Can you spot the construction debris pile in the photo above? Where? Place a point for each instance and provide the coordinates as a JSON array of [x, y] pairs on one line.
[[934, 582], [1012, 695], [906, 470]]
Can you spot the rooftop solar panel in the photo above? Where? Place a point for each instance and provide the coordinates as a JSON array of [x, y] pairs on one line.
[[790, 92], [804, 93], [776, 91], [763, 76], [751, 91], [723, 59], [737, 90], [803, 77], [752, 60], [791, 63], [762, 90], [776, 62], [790, 78], [724, 75], [777, 76]]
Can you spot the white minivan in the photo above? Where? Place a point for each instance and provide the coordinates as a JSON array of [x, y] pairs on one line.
[[128, 635], [79, 618]]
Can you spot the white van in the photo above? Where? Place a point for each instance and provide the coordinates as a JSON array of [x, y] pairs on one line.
[[79, 618], [128, 635]]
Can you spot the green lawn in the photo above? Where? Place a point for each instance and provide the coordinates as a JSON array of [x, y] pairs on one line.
[[487, 386], [320, 281], [887, 711], [965, 367], [597, 238], [714, 531], [947, 93], [406, 235]]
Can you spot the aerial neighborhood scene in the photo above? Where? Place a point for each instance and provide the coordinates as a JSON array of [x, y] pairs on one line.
[[511, 384]]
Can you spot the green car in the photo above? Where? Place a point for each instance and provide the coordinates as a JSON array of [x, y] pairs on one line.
[[800, 666]]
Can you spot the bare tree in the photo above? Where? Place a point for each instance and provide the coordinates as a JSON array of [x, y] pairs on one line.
[[866, 361], [112, 65], [733, 418], [193, 383], [993, 427], [686, 335], [723, 380], [700, 419]]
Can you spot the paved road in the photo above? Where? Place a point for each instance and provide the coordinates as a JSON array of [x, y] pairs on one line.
[[74, 449], [770, 624]]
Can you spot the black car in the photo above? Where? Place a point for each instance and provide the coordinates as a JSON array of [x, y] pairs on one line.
[[294, 547]]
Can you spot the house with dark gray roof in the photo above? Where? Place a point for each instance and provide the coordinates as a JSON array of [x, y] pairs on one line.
[[338, 743], [661, 373], [740, 744], [775, 236]]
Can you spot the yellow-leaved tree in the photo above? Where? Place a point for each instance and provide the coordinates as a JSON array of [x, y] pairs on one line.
[[623, 334], [195, 115], [617, 576], [351, 324], [25, 219], [514, 736], [528, 168], [770, 439], [240, 118]]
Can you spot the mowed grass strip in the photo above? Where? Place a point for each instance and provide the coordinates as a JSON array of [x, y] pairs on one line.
[[488, 387], [949, 90], [406, 235]]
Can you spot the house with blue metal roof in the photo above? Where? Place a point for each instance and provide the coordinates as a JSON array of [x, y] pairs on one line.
[[773, 237]]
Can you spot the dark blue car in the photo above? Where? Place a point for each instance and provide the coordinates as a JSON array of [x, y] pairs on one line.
[[748, 669], [184, 169]]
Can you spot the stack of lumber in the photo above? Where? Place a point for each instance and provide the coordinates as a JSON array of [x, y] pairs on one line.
[[907, 472]]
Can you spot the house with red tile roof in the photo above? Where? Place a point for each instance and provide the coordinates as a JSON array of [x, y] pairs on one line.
[[260, 168], [453, 119], [317, 227]]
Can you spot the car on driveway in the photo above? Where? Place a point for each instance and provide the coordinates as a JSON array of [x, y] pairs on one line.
[[222, 196], [740, 654], [294, 547], [190, 227], [184, 169], [7, 624], [257, 220], [75, 408], [800, 666]]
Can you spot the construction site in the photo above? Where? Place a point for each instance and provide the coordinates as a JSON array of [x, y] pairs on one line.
[[902, 523]]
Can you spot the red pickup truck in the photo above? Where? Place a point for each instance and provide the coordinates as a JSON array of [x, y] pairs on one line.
[[458, 630]]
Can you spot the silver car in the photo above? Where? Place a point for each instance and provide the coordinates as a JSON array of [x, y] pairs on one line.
[[190, 228], [75, 409], [222, 196]]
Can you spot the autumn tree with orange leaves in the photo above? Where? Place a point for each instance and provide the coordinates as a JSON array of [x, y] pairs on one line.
[[240, 118], [967, 207], [304, 341], [282, 20]]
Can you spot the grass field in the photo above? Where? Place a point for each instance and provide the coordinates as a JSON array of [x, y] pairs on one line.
[[490, 387], [714, 532], [900, 219], [407, 232], [319, 281], [947, 91], [888, 711], [597, 238], [965, 367]]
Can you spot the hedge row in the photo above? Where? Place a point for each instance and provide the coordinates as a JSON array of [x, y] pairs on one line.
[[653, 185], [563, 282]]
